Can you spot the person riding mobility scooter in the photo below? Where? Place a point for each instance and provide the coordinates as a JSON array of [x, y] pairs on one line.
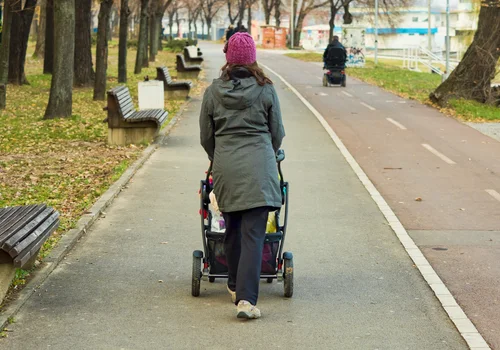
[[334, 59]]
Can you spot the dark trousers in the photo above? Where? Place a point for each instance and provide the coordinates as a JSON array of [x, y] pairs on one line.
[[243, 244]]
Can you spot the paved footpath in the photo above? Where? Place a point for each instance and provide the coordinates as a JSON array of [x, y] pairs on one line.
[[355, 286]]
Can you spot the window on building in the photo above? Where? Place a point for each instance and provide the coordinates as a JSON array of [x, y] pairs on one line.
[[415, 19]]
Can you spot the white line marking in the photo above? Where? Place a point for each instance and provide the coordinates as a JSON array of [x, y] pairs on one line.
[[402, 102], [319, 78], [494, 194], [471, 336], [347, 94], [370, 93], [399, 125], [389, 101], [438, 154], [368, 106]]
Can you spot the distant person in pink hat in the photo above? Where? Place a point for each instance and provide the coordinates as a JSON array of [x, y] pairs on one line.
[[241, 131]]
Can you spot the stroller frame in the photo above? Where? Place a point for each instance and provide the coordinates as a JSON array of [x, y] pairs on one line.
[[283, 271]]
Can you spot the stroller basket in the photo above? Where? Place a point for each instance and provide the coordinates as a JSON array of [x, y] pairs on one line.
[[217, 256]]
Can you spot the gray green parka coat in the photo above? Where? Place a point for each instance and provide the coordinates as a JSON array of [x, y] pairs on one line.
[[241, 131]]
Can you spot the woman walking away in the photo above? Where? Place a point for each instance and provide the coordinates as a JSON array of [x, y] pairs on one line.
[[241, 131]]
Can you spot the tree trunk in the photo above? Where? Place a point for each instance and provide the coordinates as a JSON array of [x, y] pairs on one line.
[[249, 19], [170, 25], [40, 36], [84, 70], [268, 6], [20, 32], [145, 61], [159, 29], [122, 45], [178, 22], [195, 30], [298, 29], [101, 59], [143, 37], [153, 46], [202, 28], [230, 14], [61, 88], [209, 28], [48, 61], [4, 51], [277, 12], [333, 13], [472, 78]]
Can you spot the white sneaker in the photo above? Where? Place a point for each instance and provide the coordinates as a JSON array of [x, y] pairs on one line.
[[247, 310], [233, 295]]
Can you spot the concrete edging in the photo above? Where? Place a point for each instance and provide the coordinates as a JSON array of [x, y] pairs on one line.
[[73, 236], [465, 327]]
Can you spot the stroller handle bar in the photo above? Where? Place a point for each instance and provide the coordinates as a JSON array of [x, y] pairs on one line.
[[280, 156]]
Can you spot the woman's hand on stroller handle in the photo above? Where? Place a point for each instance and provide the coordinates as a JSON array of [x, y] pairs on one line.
[[280, 156]]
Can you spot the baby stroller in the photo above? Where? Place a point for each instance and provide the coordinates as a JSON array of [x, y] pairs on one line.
[[210, 263], [335, 68]]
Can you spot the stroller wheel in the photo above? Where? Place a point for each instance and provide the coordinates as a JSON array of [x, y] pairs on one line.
[[211, 279], [196, 278], [288, 274], [270, 280]]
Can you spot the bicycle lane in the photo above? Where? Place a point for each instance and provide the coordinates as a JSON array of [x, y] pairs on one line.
[[438, 175]]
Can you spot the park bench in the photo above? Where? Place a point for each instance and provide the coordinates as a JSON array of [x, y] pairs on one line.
[[184, 71], [190, 57], [23, 231], [128, 126], [173, 89]]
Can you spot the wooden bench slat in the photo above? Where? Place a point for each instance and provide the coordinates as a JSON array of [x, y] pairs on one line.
[[40, 230], [27, 229], [32, 250], [126, 107], [6, 212], [23, 217]]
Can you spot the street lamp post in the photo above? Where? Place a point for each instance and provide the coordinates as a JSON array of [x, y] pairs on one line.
[[376, 32]]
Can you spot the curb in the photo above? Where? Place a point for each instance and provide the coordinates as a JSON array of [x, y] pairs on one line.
[[73, 236]]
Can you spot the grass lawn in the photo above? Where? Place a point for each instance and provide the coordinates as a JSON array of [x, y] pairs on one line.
[[390, 75], [65, 163]]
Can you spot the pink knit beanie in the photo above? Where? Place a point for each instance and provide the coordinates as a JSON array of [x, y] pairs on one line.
[[241, 49]]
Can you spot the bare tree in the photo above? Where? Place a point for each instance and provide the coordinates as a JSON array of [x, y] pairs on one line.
[[250, 5], [171, 12], [4, 51], [122, 45], [142, 43], [22, 17], [230, 5], [48, 57], [210, 9], [277, 12], [61, 88], [472, 77], [305, 8], [84, 70], [101, 59], [40, 35], [268, 6], [193, 7]]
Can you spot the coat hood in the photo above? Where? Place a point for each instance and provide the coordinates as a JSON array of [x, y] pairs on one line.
[[238, 93]]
